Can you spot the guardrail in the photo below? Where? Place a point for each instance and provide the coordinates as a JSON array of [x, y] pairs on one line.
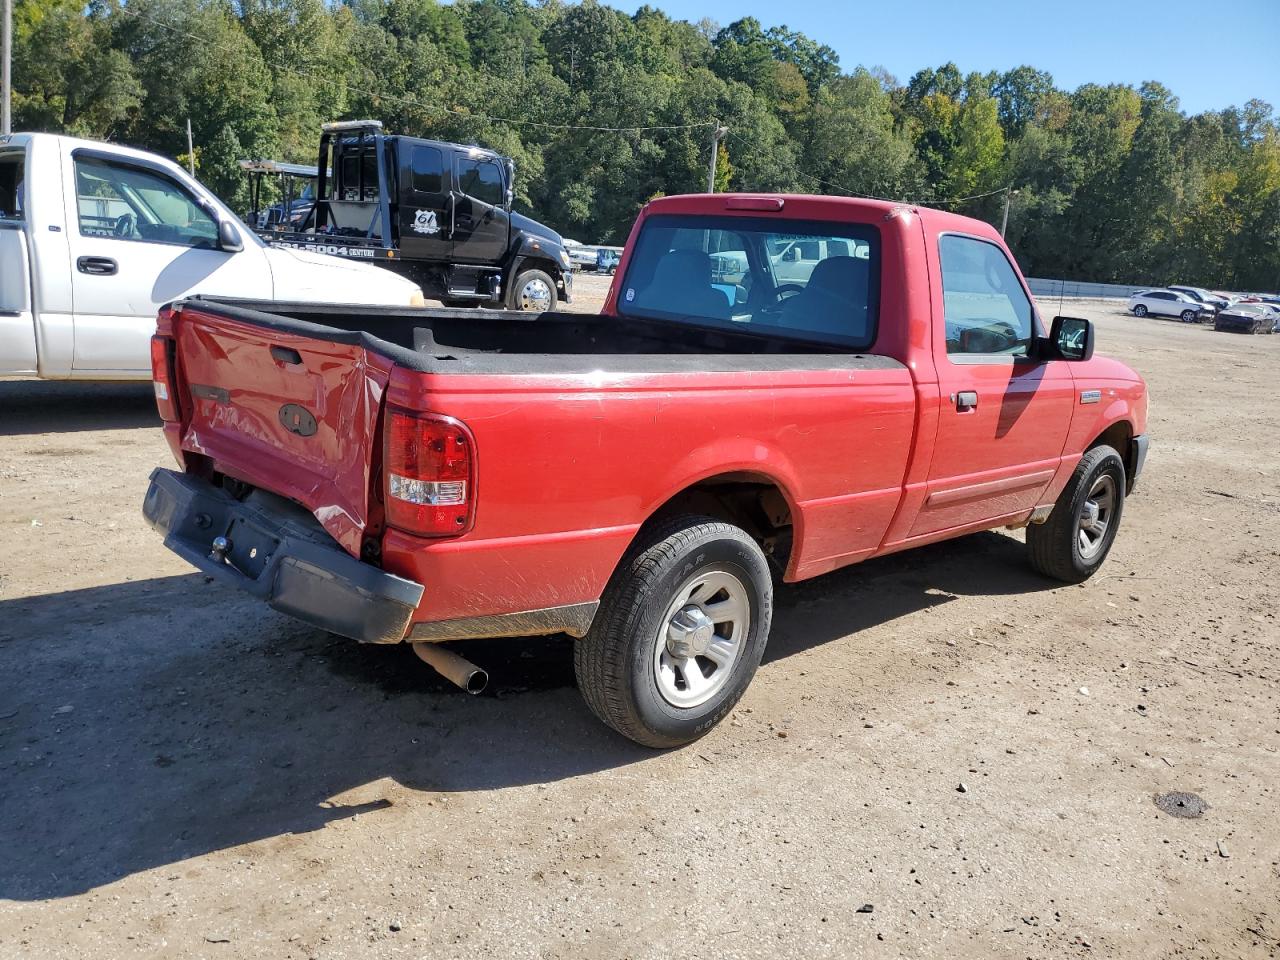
[[1081, 288]]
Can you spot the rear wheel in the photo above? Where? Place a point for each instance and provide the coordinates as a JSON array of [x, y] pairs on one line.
[[679, 634], [1077, 537], [1139, 311], [533, 290]]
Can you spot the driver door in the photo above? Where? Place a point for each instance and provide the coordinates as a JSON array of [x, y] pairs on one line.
[[480, 219], [139, 240], [1003, 415]]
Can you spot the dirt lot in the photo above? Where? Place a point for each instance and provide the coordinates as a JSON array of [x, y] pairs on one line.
[[183, 774]]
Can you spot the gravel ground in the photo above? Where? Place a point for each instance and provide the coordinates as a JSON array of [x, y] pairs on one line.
[[185, 774]]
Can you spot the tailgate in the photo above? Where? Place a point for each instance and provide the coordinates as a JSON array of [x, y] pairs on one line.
[[291, 413]]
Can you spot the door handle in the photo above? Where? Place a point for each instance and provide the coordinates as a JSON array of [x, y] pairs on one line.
[[965, 400], [98, 266]]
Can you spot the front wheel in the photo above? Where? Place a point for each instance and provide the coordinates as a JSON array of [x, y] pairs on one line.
[[679, 634], [1073, 542], [533, 290], [1188, 316], [1139, 311]]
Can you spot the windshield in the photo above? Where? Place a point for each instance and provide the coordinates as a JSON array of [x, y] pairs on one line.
[[809, 280]]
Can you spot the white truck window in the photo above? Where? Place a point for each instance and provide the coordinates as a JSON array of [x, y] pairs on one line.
[[12, 189], [129, 203]]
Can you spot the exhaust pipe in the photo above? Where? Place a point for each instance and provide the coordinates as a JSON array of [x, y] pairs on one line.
[[457, 670]]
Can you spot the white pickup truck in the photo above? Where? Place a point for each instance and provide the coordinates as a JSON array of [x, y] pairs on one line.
[[95, 238]]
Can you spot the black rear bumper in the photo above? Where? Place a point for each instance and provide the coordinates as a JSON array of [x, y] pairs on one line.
[[278, 552]]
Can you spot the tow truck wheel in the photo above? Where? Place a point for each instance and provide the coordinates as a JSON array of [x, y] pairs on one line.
[[1073, 542], [533, 290], [679, 633]]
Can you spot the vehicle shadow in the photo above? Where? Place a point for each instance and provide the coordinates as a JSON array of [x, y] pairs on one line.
[[145, 723], [62, 406]]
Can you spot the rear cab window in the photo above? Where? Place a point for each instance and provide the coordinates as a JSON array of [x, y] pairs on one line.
[[810, 280], [986, 311]]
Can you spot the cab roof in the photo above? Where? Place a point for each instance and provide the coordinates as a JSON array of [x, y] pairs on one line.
[[796, 206]]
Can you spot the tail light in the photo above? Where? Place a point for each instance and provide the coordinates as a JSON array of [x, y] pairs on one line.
[[162, 377], [430, 474]]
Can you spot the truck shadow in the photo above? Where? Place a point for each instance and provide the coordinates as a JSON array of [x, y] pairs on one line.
[[146, 723], [60, 406]]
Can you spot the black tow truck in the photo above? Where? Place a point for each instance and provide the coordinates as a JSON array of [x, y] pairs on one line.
[[438, 213]]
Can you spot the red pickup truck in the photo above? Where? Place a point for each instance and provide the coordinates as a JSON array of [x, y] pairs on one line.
[[777, 386]]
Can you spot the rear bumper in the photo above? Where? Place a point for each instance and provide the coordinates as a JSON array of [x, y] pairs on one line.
[[278, 552]]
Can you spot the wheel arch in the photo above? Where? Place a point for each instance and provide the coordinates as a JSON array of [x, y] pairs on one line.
[[754, 500], [1119, 437], [535, 262]]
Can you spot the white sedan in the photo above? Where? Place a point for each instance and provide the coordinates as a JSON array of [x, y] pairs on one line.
[[1169, 303]]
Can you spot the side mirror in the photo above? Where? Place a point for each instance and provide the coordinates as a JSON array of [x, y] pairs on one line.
[[229, 237], [508, 200], [1071, 338]]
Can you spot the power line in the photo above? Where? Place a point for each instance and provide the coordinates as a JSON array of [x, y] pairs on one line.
[[413, 101]]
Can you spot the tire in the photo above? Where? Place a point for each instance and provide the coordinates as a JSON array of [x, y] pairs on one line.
[[1055, 546], [627, 669], [531, 290], [1139, 311], [1188, 316]]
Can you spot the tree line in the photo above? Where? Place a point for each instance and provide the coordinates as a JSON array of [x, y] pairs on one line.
[[1113, 182]]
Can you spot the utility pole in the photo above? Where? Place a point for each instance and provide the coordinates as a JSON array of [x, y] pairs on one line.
[[191, 150], [1004, 223], [6, 75], [717, 132]]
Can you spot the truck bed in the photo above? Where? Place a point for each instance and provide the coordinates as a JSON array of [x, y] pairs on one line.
[[582, 427], [479, 341]]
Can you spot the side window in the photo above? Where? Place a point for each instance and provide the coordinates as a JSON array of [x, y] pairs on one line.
[[428, 170], [984, 306], [131, 203], [481, 180], [12, 187]]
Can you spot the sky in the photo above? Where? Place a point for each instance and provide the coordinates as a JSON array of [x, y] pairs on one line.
[[1210, 53]]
